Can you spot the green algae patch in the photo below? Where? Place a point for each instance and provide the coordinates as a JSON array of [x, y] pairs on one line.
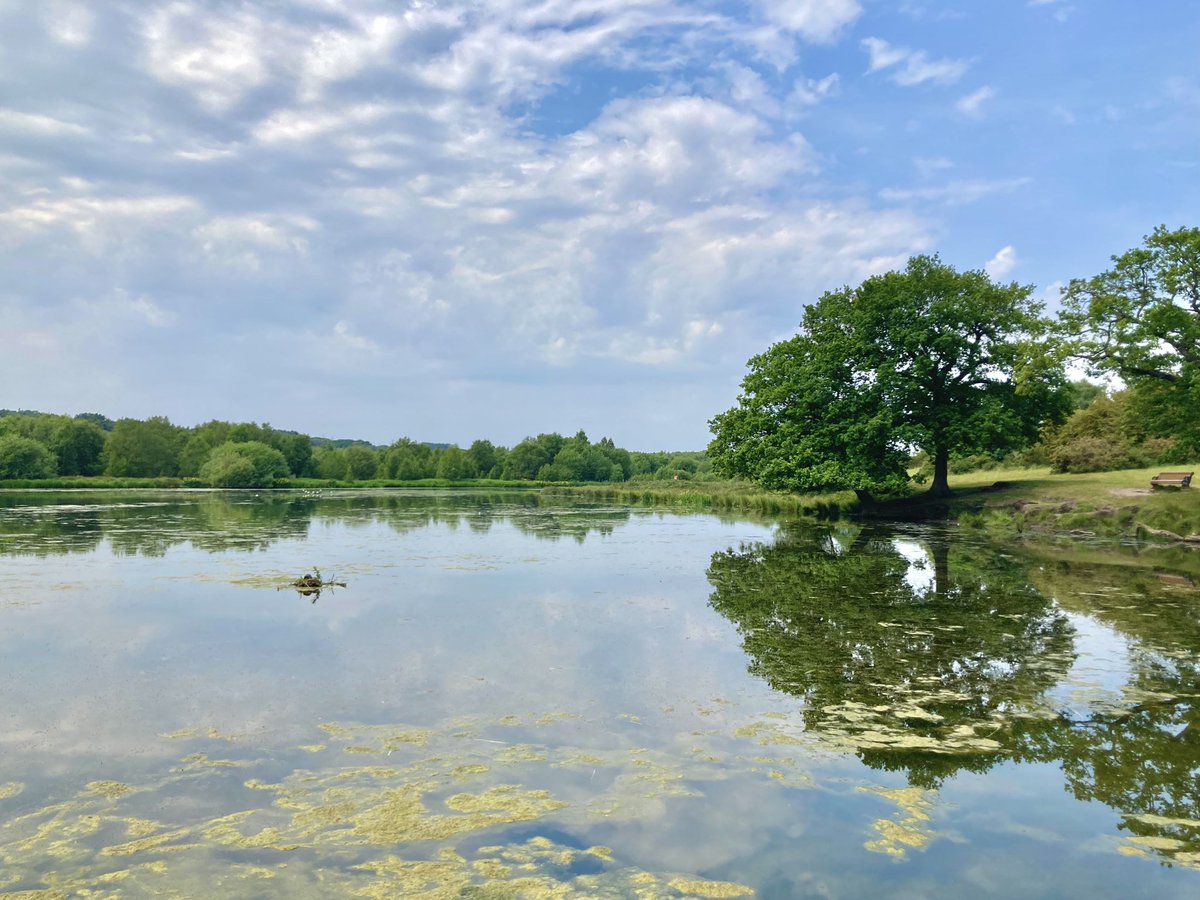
[[710, 888], [10, 789], [182, 734], [203, 761], [112, 790], [328, 822], [141, 845], [909, 829]]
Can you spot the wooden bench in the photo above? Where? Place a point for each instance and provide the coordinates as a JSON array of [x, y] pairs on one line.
[[1171, 479]]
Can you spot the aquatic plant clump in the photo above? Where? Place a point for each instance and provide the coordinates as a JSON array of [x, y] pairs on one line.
[[400, 824]]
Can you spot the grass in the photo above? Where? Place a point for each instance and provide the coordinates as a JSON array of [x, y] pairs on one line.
[[719, 496], [1009, 501], [1106, 503]]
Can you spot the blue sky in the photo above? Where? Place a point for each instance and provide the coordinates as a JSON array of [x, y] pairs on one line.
[[452, 220]]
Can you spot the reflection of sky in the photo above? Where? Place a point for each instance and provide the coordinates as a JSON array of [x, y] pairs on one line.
[[103, 652], [920, 575], [100, 653], [1102, 665]]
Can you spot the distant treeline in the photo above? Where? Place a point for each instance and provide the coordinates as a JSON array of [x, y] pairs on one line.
[[36, 445]]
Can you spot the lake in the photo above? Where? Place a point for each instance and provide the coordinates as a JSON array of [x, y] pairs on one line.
[[521, 696]]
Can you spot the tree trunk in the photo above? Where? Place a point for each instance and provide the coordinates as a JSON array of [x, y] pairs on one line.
[[941, 473], [941, 567], [865, 500]]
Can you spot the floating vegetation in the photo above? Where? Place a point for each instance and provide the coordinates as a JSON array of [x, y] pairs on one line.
[[370, 830], [910, 828]]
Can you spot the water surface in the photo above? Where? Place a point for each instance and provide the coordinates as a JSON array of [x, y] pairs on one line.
[[517, 697]]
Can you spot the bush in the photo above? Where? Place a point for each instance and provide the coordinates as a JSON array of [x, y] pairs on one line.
[[1094, 454], [243, 465], [22, 457]]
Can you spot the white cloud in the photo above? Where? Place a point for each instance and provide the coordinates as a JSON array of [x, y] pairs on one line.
[[911, 67], [931, 165], [346, 338], [1002, 263], [219, 58], [815, 20], [31, 123], [436, 190], [240, 241], [96, 221], [121, 305], [201, 153], [1062, 8], [972, 104], [808, 91], [305, 124], [335, 55], [68, 23], [954, 193]]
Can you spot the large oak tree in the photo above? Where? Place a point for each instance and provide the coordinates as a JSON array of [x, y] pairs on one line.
[[928, 357]]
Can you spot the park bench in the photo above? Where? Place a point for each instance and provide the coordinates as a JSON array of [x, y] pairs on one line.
[[1171, 479]]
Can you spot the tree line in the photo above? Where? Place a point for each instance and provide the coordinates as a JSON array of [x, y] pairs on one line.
[[935, 365], [35, 445]]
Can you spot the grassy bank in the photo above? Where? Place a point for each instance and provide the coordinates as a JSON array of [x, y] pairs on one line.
[[1103, 503], [1115, 504], [718, 496]]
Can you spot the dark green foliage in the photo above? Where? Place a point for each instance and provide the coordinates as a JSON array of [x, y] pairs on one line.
[[202, 440], [408, 460], [1140, 320], [483, 456], [1084, 392], [76, 444], [525, 460], [1112, 433], [23, 457], [330, 464], [79, 446], [932, 358], [244, 464], [361, 462], [105, 423], [455, 464], [156, 449], [138, 449]]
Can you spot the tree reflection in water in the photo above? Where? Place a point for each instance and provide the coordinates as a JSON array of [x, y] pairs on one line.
[[928, 656]]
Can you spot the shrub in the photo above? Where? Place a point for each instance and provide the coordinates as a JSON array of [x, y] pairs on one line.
[[1094, 454], [22, 457], [243, 465]]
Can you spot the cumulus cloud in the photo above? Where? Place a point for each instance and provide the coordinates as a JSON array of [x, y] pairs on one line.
[[1002, 263], [815, 20], [911, 67], [217, 57], [386, 175]]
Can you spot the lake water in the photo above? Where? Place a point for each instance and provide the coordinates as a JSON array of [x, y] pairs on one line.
[[520, 697]]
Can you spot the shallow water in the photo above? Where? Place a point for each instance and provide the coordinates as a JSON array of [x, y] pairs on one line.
[[517, 697]]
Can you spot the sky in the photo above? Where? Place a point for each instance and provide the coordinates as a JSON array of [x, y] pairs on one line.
[[458, 220]]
